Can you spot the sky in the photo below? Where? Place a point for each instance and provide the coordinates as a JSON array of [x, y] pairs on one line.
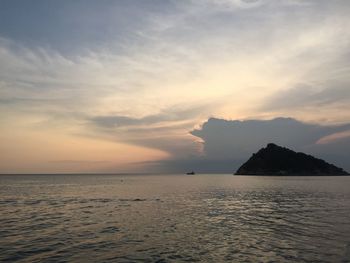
[[170, 85]]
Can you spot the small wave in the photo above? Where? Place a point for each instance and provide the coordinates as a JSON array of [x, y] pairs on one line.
[[110, 230]]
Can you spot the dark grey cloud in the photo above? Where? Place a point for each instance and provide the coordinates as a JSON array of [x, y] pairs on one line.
[[223, 138], [227, 144]]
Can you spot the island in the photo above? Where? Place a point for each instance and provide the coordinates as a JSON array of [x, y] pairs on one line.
[[277, 160]]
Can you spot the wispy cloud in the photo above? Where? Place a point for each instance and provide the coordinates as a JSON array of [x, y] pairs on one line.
[[79, 161], [334, 137]]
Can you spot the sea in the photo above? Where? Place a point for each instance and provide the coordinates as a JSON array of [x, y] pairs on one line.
[[174, 218]]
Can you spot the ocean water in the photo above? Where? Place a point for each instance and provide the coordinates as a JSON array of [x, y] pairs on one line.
[[174, 218]]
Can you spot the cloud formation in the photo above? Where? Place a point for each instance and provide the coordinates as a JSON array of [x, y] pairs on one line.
[[227, 144], [146, 73]]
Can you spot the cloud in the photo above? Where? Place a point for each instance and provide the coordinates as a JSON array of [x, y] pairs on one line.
[[338, 136], [164, 56], [228, 143], [233, 4], [75, 28], [79, 161], [167, 130], [91, 69], [327, 102], [171, 114], [304, 95], [223, 138]]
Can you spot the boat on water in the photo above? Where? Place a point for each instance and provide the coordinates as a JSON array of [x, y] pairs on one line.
[[191, 173]]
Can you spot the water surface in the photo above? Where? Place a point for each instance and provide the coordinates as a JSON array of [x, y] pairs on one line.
[[174, 218]]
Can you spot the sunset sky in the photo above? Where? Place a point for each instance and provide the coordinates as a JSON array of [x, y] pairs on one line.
[[157, 85]]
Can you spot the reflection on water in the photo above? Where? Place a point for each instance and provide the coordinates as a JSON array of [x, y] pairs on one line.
[[212, 218]]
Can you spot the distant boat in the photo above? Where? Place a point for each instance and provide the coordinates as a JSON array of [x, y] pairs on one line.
[[191, 173]]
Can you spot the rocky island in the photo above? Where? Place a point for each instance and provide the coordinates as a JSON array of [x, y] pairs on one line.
[[277, 160]]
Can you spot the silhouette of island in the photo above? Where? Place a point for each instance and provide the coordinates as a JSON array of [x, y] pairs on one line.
[[277, 160]]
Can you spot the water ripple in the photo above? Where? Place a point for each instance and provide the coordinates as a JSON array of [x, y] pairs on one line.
[[174, 219]]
